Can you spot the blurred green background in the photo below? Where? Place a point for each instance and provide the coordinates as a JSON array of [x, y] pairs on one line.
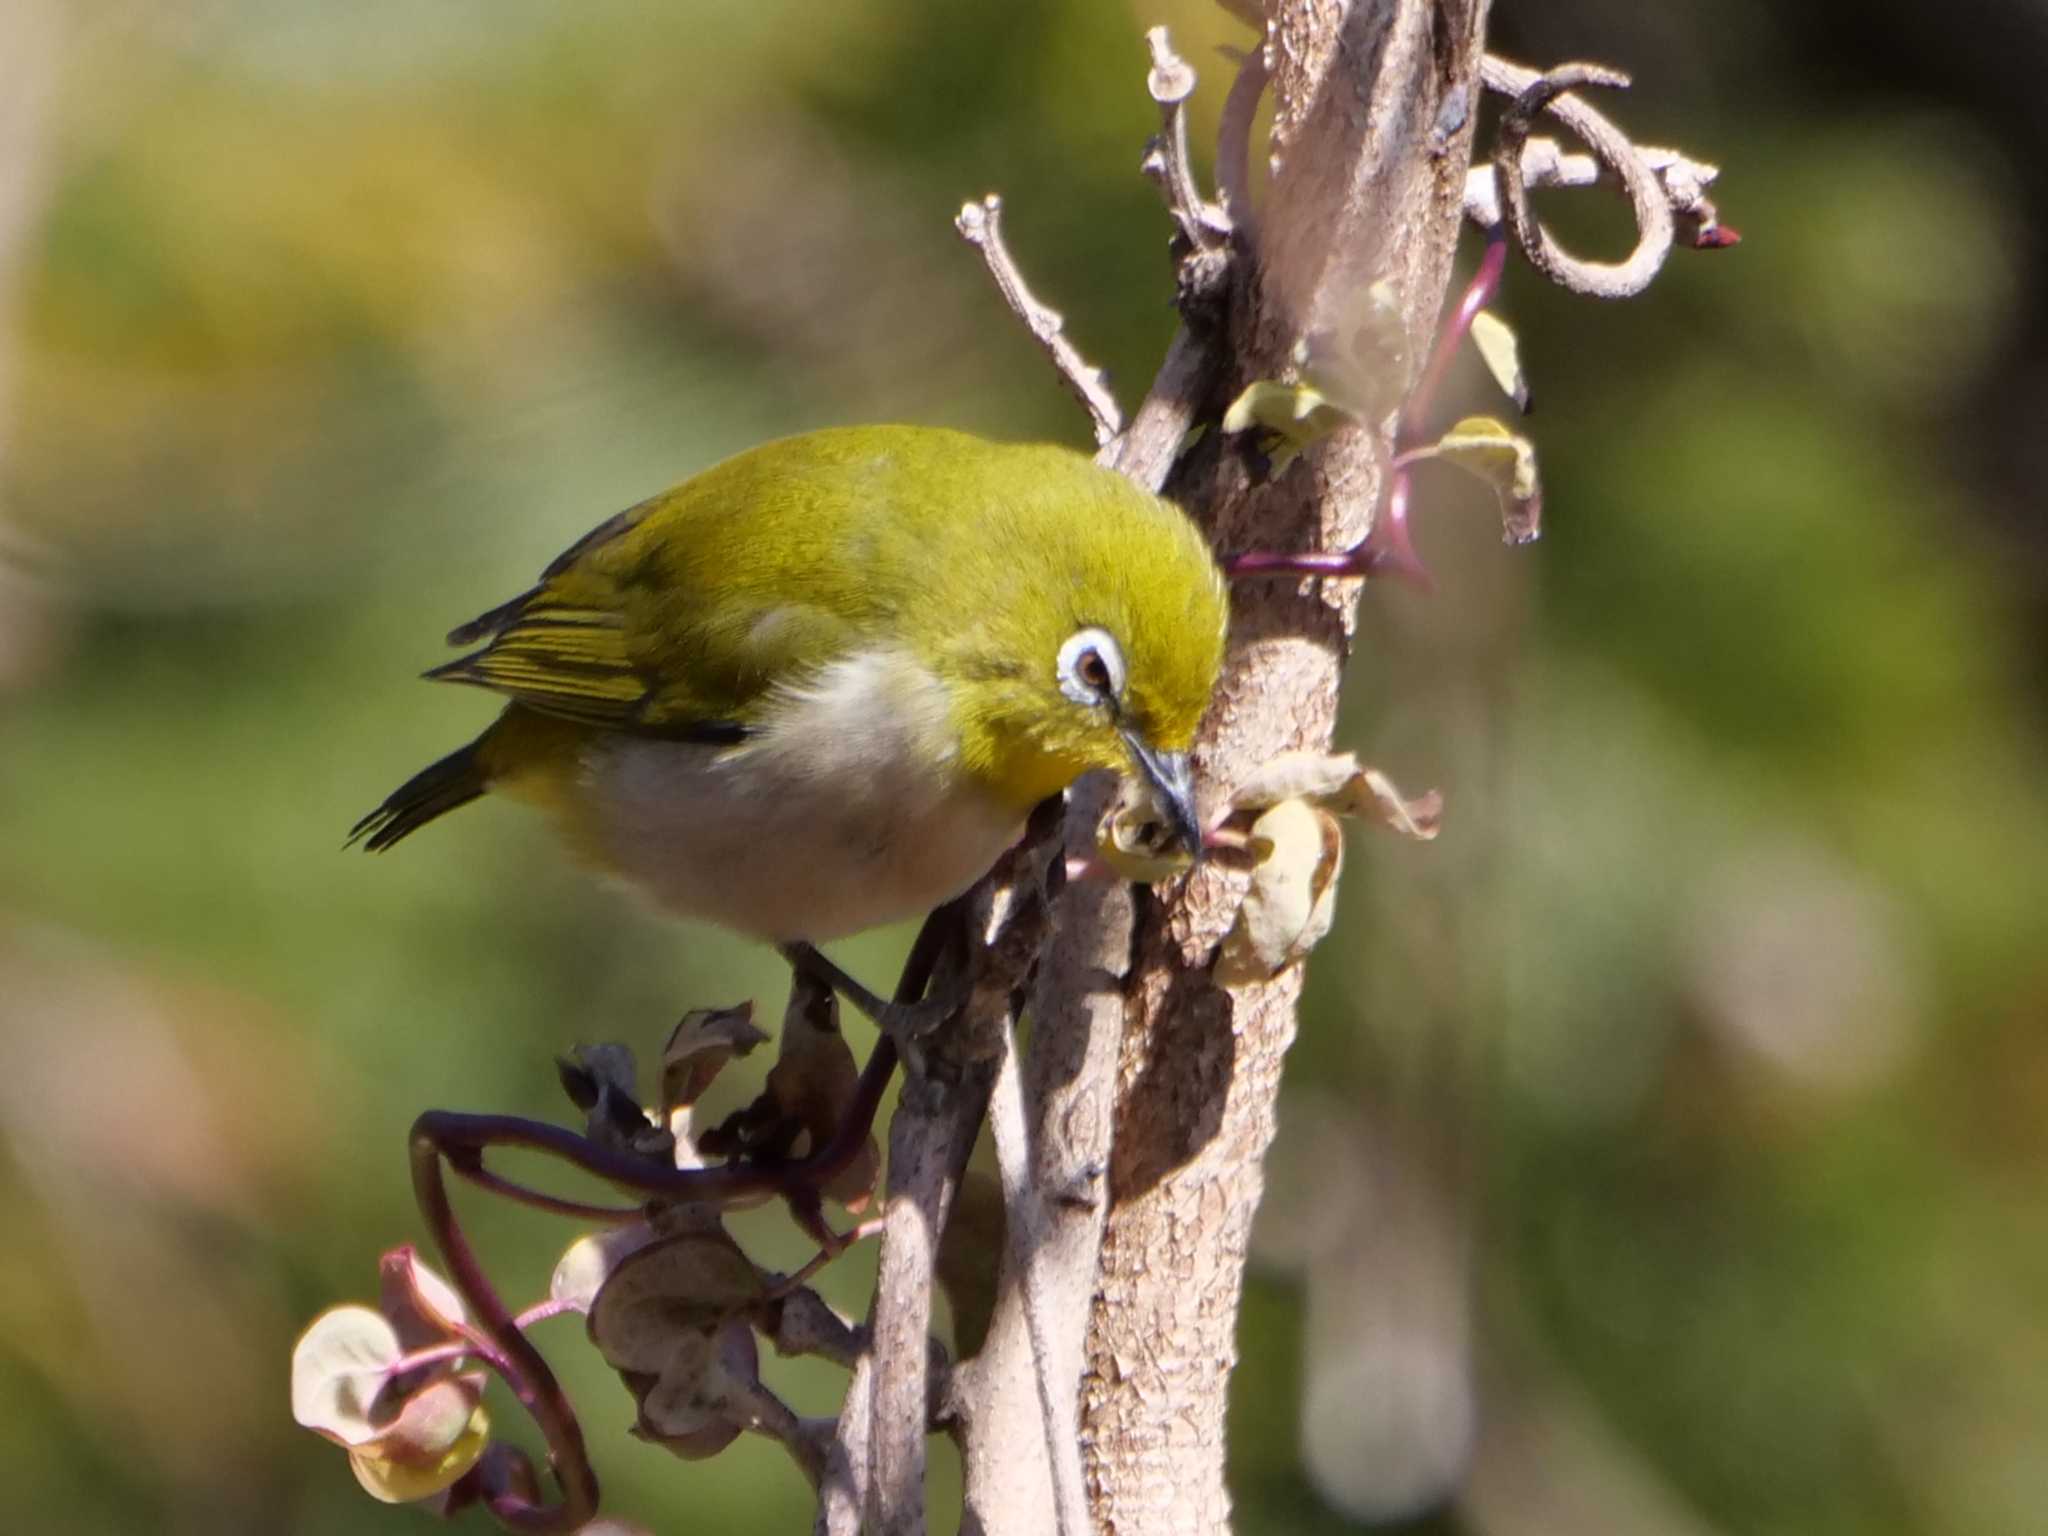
[[1672, 1135]]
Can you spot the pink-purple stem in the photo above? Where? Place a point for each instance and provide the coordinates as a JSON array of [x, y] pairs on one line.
[[512, 1356], [476, 1347]]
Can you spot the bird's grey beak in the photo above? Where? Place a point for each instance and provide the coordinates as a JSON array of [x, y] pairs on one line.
[[1167, 773]]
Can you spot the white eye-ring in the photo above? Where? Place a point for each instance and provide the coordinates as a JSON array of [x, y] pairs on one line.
[[1091, 667]]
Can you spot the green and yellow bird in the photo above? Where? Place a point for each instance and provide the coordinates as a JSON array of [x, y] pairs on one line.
[[819, 686]]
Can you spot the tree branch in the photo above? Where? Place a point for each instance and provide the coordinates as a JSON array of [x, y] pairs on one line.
[[843, 1487], [933, 1131], [1534, 93], [1546, 164], [1171, 81], [1159, 430], [929, 1139], [1140, 1064], [1368, 186], [804, 1324], [1068, 1087], [1028, 1265], [980, 225], [1017, 1396]]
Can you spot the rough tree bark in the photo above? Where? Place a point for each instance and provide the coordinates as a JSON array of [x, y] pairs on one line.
[[1140, 1062], [1371, 141]]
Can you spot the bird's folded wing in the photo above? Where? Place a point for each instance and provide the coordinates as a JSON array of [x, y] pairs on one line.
[[623, 657], [678, 617], [563, 660]]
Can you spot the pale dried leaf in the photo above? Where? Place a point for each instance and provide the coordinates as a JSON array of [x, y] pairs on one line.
[[814, 1082], [1291, 415], [698, 1050], [1373, 794], [1481, 446], [339, 1366], [678, 1284], [436, 1439], [422, 1307], [1336, 782], [1292, 897], [589, 1261], [674, 1402], [1293, 776], [1502, 353], [685, 1408]]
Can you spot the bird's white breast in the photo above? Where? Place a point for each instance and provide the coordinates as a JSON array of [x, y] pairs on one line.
[[845, 809]]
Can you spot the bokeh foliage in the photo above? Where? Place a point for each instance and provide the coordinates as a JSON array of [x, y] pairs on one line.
[[1683, 1108]]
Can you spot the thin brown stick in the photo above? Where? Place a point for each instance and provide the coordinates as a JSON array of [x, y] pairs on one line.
[[929, 1138], [980, 225], [1028, 1228], [848, 1474], [804, 1324], [1545, 163], [1535, 93], [1171, 81]]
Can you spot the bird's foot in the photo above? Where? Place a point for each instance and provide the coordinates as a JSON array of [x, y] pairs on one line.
[[907, 1023]]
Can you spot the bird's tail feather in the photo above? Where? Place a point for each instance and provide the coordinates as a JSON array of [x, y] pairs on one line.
[[433, 792]]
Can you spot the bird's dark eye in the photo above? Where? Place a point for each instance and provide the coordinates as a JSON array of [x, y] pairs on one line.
[[1093, 670]]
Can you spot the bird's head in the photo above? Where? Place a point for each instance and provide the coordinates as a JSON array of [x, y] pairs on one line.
[[1091, 638]]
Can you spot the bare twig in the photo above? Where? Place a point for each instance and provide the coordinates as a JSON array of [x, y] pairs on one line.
[[980, 225], [756, 1409], [843, 1491], [1545, 163], [804, 1324], [876, 1463], [1535, 93], [929, 1139], [1171, 81], [879, 1461], [1077, 1018], [835, 1244], [1146, 450], [1027, 1225]]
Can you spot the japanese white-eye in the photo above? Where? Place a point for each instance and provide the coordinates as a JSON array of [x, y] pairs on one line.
[[819, 686]]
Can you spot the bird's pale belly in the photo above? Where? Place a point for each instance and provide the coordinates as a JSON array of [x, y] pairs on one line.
[[800, 835]]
